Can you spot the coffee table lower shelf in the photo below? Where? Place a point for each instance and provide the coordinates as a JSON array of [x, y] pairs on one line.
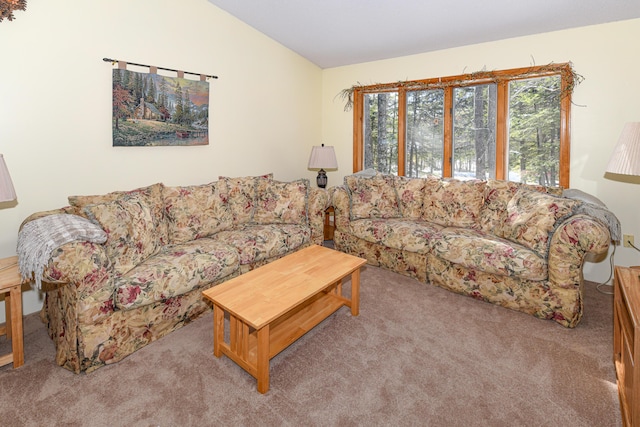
[[248, 347]]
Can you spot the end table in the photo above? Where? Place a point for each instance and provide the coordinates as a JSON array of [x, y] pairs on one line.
[[11, 286]]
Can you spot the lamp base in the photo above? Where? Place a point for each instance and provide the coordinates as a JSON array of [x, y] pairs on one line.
[[321, 180]]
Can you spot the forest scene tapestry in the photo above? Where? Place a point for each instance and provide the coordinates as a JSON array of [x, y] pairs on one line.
[[153, 110]]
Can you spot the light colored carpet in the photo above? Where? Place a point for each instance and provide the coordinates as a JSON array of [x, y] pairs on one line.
[[416, 355]]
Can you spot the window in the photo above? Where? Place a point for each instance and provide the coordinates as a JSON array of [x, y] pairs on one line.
[[510, 124]]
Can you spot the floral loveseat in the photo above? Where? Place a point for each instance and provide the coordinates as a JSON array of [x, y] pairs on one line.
[[165, 245], [516, 245]]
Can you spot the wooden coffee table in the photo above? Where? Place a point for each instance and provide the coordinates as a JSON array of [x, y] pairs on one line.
[[272, 306]]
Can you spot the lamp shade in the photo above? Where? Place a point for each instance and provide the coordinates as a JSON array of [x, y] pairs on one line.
[[322, 158], [625, 159], [7, 192]]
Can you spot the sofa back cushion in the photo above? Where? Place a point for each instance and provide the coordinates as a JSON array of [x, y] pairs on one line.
[[281, 202], [154, 198], [372, 197], [132, 232], [196, 211], [497, 195], [410, 193], [240, 194], [532, 216], [453, 203]]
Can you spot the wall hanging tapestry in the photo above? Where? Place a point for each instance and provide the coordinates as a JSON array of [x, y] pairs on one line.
[[151, 110]]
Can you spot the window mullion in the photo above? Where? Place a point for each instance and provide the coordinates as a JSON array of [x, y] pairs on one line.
[[358, 125], [447, 152], [502, 131], [402, 131]]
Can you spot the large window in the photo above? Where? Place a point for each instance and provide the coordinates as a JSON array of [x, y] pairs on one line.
[[510, 124]]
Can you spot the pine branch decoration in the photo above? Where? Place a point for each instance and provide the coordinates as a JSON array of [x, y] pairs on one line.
[[8, 6]]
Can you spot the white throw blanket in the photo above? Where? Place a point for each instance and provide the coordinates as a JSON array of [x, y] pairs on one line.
[[40, 237]]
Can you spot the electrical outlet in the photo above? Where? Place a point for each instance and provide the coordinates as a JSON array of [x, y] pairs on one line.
[[627, 240]]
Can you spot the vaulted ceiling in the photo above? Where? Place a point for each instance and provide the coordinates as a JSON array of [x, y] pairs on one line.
[[332, 33]]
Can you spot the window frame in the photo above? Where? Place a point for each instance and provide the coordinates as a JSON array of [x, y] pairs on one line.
[[501, 79]]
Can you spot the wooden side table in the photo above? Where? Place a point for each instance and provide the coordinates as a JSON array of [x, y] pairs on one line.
[[329, 223], [11, 287], [626, 342]]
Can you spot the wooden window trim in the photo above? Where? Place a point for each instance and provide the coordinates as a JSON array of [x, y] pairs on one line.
[[502, 79]]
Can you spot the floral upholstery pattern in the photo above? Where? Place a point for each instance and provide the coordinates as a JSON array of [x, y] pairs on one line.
[[255, 243], [153, 194], [281, 202], [532, 216], [186, 223], [174, 271], [497, 195], [479, 259], [410, 193], [480, 251], [397, 233], [372, 197], [98, 311], [453, 203], [240, 195], [132, 234]]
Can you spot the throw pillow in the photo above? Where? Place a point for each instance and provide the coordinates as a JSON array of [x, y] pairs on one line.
[[131, 231], [240, 194], [195, 211], [532, 216], [372, 197], [453, 203], [281, 202]]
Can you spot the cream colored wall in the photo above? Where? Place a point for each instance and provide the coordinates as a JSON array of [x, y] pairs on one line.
[[606, 99], [55, 102]]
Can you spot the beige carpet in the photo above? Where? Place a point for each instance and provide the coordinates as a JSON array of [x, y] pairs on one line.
[[416, 355]]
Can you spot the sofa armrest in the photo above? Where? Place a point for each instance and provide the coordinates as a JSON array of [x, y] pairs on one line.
[[340, 203], [83, 267], [318, 203], [576, 237]]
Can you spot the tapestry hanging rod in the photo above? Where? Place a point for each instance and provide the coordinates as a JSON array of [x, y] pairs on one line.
[[114, 61]]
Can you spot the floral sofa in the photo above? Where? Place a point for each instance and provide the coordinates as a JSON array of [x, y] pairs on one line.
[[516, 245], [164, 246]]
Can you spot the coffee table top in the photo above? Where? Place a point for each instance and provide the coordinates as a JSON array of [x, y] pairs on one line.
[[266, 293]]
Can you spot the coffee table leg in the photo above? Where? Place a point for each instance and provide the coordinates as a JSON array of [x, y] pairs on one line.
[[355, 292], [263, 360], [218, 329]]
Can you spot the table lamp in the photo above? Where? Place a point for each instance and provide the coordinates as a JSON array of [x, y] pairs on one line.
[[625, 159], [322, 157], [7, 192]]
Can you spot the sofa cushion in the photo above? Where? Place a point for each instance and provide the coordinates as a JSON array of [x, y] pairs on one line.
[[532, 217], [410, 192], [372, 197], [478, 250], [453, 203], [259, 242], [175, 270], [398, 233], [152, 193], [240, 194], [132, 233], [281, 202], [196, 211], [497, 195]]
